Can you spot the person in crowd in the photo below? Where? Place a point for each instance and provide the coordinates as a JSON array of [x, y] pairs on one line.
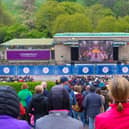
[[64, 83], [10, 109], [24, 95], [59, 106], [98, 91], [92, 104], [78, 108], [117, 117], [39, 103], [44, 85]]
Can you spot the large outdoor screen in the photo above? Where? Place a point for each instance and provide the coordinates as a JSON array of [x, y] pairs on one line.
[[95, 51]]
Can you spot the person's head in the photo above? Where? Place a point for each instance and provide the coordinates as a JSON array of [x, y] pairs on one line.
[[78, 88], [24, 86], [9, 102], [58, 98], [98, 91], [39, 89], [63, 80], [119, 91], [92, 88], [44, 84]]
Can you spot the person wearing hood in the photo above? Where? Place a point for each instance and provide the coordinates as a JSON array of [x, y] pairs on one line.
[[59, 106], [10, 110]]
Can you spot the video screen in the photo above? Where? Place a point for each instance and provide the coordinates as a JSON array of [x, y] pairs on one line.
[[95, 51]]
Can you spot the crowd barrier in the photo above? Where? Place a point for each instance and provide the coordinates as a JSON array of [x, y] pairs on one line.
[[89, 69]]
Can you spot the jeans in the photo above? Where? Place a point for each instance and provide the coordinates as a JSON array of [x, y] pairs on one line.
[[91, 122], [80, 116]]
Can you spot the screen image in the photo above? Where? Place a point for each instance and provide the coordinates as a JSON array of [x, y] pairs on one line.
[[95, 51]]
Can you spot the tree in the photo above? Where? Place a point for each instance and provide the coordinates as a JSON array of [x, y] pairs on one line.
[[123, 25], [121, 7], [72, 23], [50, 10], [97, 12], [107, 24], [5, 17]]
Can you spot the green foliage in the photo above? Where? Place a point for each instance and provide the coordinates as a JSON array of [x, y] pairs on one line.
[[121, 7], [123, 25], [72, 23], [107, 24], [97, 12], [5, 17], [17, 85]]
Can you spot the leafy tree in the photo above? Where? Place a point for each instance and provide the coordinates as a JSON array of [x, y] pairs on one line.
[[50, 10], [97, 12], [107, 24], [121, 7], [88, 2], [123, 25], [108, 3], [72, 23], [5, 17]]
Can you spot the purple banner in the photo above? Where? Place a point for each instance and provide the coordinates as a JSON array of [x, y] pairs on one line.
[[28, 54]]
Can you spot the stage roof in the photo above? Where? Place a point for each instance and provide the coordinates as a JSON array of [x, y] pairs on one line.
[[29, 42], [91, 35]]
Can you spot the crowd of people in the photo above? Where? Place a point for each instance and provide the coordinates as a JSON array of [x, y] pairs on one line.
[[72, 103], [16, 78]]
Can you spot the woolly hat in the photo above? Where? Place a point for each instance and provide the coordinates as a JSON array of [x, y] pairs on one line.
[[9, 102]]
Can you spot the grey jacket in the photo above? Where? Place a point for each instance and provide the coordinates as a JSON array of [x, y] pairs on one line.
[[58, 120], [92, 104]]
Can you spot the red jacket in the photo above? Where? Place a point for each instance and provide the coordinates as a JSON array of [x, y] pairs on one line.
[[113, 119]]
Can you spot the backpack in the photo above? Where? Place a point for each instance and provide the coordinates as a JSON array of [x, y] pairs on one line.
[[78, 106]]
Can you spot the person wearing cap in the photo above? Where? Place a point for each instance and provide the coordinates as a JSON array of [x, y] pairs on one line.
[[10, 110], [59, 106], [64, 82]]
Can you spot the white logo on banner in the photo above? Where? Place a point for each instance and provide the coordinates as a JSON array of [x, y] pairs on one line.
[[65, 70], [6, 70], [26, 70], [45, 70], [85, 70], [125, 69], [105, 69]]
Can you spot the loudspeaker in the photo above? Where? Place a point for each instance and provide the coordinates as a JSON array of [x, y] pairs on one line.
[[74, 53], [115, 53]]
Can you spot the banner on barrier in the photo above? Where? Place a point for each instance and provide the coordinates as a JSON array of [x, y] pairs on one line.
[[64, 69], [105, 69], [45, 70], [8, 70], [84, 69], [25, 70], [122, 69]]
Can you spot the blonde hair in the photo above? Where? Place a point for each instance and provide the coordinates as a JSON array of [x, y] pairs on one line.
[[78, 88], [44, 84], [119, 91], [38, 89]]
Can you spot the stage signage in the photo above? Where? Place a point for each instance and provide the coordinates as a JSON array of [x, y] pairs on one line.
[[28, 54]]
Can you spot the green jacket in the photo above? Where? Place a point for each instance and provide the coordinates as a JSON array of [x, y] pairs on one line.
[[23, 95]]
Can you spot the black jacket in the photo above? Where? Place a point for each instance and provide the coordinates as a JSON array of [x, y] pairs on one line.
[[38, 105]]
